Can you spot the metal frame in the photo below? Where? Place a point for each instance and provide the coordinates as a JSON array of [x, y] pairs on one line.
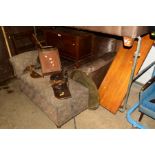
[[137, 53], [132, 121]]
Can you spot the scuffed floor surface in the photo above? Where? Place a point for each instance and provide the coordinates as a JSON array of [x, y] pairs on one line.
[[18, 112]]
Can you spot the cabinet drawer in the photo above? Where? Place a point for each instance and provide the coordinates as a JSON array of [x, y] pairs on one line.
[[66, 43], [70, 46], [53, 39]]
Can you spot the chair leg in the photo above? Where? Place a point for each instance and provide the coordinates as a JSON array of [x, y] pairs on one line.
[[141, 116], [75, 126], [58, 127]]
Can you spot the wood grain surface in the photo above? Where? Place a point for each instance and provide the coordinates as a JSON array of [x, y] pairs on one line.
[[114, 86]]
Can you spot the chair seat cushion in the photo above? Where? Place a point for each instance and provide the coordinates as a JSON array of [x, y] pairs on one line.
[[58, 110]]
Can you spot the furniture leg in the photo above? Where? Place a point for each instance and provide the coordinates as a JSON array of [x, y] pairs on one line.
[[123, 108], [141, 116], [75, 127], [58, 127]]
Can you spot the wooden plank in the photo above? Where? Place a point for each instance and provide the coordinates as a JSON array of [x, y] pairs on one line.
[[114, 86]]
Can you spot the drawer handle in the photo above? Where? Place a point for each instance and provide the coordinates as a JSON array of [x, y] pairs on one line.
[[73, 44], [59, 35]]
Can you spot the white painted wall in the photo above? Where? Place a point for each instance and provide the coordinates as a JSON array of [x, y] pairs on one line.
[[147, 75]]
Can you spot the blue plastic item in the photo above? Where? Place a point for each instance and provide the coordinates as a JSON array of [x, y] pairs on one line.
[[146, 104]]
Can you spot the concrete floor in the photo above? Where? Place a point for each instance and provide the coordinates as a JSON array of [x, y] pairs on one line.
[[18, 112]]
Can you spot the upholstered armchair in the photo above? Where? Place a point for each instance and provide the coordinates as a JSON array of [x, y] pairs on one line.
[[146, 103], [147, 99]]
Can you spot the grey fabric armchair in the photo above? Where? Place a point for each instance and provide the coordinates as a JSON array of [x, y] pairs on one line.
[[41, 93]]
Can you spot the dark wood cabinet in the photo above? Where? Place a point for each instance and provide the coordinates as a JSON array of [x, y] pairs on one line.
[[20, 40], [20, 37], [72, 44]]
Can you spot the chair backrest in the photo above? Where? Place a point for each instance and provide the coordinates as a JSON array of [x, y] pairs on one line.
[[153, 73], [149, 89]]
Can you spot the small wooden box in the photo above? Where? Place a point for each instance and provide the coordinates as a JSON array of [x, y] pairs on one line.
[[49, 60]]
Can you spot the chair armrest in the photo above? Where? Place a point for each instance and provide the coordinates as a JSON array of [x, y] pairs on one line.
[[150, 82], [147, 89], [21, 61]]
